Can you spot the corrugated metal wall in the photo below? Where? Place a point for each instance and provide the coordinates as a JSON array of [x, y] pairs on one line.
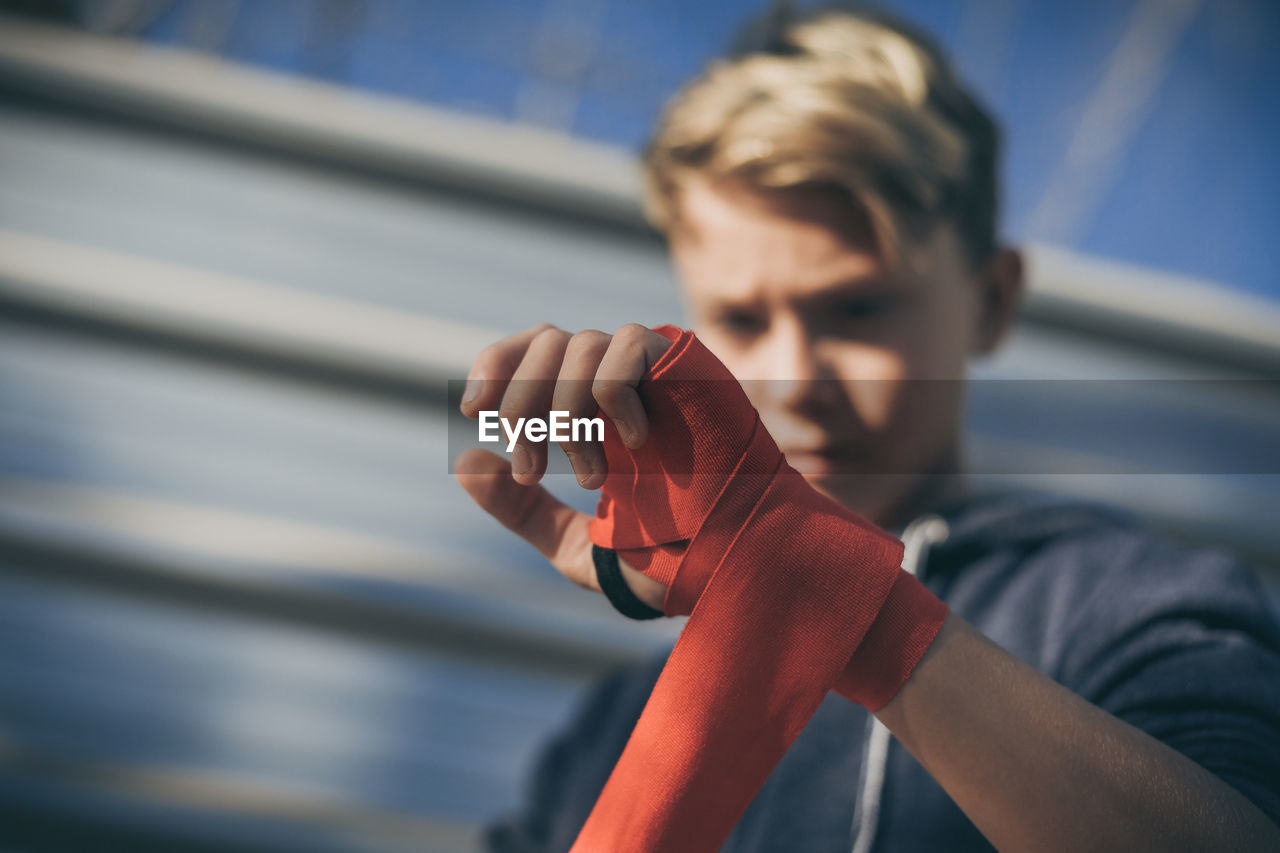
[[241, 598]]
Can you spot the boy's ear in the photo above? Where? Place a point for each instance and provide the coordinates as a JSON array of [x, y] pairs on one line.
[[1000, 287]]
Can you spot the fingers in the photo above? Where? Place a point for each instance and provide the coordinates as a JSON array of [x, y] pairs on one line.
[[545, 369], [493, 368], [573, 395], [528, 395], [558, 531], [631, 353]]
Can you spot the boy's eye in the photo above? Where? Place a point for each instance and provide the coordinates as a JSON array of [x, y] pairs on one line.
[[860, 309], [741, 322]]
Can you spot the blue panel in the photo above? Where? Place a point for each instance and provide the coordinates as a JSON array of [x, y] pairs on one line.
[[1199, 190]]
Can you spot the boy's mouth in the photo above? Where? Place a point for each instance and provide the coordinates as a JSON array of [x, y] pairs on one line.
[[818, 460]]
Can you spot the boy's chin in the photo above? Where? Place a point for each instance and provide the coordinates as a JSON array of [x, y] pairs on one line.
[[878, 497]]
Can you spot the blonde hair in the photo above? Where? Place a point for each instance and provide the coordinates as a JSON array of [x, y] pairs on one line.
[[836, 100]]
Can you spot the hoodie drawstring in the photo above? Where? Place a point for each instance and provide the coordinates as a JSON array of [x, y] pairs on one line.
[[918, 537]]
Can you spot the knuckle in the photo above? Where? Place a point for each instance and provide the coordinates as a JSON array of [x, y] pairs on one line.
[[549, 337], [487, 360], [498, 358], [515, 403], [509, 411], [607, 392], [632, 332], [567, 396], [588, 341]]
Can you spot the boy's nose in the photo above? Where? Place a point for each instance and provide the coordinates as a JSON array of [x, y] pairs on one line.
[[796, 374]]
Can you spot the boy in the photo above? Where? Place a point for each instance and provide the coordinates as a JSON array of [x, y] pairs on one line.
[[829, 195]]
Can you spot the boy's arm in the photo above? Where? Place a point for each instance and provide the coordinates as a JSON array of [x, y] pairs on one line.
[[1038, 768], [1166, 728]]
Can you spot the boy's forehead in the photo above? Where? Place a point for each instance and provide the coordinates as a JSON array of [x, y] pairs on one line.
[[733, 243], [706, 206]]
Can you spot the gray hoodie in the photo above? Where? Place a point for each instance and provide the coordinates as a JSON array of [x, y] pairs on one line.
[[1179, 643]]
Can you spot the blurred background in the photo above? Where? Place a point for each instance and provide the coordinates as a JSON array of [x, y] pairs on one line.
[[245, 243]]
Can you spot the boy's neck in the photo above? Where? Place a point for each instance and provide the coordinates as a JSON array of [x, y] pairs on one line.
[[945, 485]]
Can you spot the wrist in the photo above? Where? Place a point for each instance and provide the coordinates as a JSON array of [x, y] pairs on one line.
[[903, 631], [645, 588]]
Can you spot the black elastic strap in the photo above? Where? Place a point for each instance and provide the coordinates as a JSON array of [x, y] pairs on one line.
[[615, 588]]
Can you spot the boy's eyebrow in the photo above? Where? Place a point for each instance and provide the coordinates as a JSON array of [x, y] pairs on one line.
[[871, 284], [867, 285], [729, 303]]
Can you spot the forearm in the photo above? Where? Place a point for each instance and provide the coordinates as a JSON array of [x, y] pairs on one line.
[[1037, 768]]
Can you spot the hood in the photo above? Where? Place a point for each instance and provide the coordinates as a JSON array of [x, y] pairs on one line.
[[1000, 520]]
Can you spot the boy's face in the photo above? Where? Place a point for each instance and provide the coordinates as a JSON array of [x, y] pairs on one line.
[[857, 372]]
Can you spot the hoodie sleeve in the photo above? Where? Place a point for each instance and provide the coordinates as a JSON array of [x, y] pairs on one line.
[[572, 767], [1184, 646]]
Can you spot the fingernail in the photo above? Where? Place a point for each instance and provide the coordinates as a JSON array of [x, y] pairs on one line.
[[581, 469], [596, 465], [624, 431], [521, 461], [473, 389]]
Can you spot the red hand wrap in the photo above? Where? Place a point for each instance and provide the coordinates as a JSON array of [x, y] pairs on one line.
[[782, 585]]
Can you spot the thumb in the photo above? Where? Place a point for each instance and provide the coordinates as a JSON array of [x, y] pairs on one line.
[[554, 528]]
